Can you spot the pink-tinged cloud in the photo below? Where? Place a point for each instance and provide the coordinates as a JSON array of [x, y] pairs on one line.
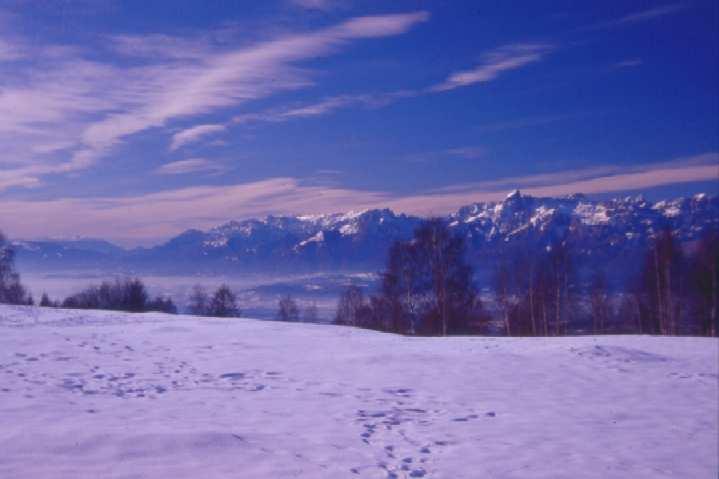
[[9, 52], [605, 179], [503, 59], [639, 17], [155, 216], [193, 134], [325, 106], [95, 106], [322, 5], [231, 78], [190, 165]]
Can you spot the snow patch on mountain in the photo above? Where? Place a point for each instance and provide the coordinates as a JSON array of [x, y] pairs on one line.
[[591, 214], [317, 238], [361, 238]]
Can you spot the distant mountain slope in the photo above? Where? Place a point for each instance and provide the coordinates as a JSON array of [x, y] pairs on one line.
[[74, 254], [610, 231]]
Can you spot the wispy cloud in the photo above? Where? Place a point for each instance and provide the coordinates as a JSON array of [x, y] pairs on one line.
[[325, 106], [457, 153], [193, 134], [640, 16], [191, 165], [154, 216], [601, 179], [323, 5], [9, 51], [234, 77], [467, 152], [25, 178], [527, 122], [629, 63], [97, 105], [66, 116], [494, 63], [156, 45], [649, 14]]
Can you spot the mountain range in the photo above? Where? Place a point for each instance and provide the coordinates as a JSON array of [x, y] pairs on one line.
[[607, 231]]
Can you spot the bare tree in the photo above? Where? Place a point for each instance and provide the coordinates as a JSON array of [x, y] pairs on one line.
[[287, 309], [199, 303], [46, 302], [527, 268], [162, 304], [559, 281], [662, 283], [310, 314], [544, 297], [401, 283], [224, 303], [428, 287], [350, 304], [506, 292], [600, 303], [704, 277], [135, 295], [11, 290]]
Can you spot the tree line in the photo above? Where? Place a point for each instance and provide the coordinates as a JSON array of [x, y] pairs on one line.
[[131, 295], [128, 294], [427, 288], [222, 303]]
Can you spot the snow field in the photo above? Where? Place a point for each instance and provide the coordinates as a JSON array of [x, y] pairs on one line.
[[114, 395]]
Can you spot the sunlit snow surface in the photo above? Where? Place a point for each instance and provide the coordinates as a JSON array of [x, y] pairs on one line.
[[110, 395]]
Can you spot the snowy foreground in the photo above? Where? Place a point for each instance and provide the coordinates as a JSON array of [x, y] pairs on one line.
[[100, 394]]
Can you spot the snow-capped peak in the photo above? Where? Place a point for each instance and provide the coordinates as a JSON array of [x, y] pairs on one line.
[[515, 194]]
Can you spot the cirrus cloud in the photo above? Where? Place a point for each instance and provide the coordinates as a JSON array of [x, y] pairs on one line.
[[192, 134], [92, 106], [190, 165], [503, 59]]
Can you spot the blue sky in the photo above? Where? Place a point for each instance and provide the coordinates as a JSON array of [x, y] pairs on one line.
[[135, 120]]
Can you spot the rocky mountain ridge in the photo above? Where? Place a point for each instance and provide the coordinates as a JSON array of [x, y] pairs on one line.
[[608, 229]]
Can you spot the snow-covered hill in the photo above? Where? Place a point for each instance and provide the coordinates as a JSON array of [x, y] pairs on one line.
[[88, 394], [612, 230]]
